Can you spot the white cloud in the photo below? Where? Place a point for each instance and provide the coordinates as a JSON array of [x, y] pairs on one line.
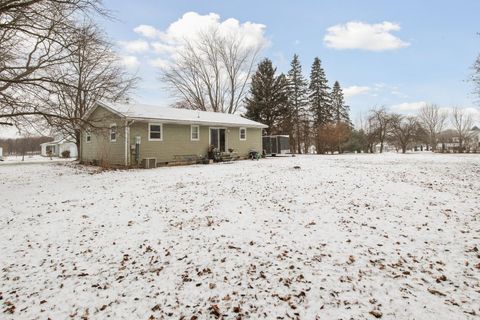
[[355, 90], [160, 47], [360, 35], [408, 107], [159, 63], [191, 25], [147, 31], [130, 62], [135, 46]]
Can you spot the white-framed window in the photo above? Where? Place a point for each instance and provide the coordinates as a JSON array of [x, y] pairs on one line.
[[155, 132], [243, 134], [113, 132], [194, 132], [88, 136]]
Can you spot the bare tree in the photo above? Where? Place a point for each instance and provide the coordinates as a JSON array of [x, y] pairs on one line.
[[433, 120], [213, 72], [91, 72], [403, 131], [379, 121], [33, 36], [476, 75], [462, 122]]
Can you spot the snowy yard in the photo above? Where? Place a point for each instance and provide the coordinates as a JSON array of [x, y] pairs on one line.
[[352, 236]]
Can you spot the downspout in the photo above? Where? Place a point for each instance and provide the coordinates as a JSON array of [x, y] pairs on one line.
[[127, 131]]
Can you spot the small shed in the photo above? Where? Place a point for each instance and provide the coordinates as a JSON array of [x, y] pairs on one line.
[[278, 144], [57, 147]]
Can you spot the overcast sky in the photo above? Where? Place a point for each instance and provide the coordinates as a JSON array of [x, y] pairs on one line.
[[394, 53]]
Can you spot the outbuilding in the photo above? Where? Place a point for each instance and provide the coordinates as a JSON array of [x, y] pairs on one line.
[[56, 148], [137, 134]]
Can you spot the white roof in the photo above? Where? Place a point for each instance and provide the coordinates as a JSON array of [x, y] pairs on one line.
[[143, 111], [61, 141]]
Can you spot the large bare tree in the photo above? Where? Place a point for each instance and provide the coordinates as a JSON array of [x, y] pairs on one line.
[[379, 121], [462, 122], [33, 36], [403, 131], [212, 72], [90, 72], [433, 121]]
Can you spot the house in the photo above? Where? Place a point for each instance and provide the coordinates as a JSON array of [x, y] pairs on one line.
[[57, 147], [449, 141], [132, 134]]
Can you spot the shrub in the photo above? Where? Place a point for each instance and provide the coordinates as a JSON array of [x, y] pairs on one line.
[[66, 154]]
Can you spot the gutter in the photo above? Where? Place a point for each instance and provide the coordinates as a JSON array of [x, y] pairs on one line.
[[204, 123]]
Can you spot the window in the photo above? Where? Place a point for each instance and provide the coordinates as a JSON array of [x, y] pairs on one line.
[[194, 133], [113, 132], [243, 133], [155, 132], [88, 136]]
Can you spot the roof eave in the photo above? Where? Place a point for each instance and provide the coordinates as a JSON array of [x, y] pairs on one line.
[[205, 123]]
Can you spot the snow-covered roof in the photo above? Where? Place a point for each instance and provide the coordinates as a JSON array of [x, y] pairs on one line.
[[143, 111], [61, 141]]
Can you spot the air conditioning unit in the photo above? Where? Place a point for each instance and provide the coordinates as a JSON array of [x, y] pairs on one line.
[[149, 163]]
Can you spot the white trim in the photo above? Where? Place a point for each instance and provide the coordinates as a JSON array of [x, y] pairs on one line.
[[110, 108], [226, 136], [161, 131], [240, 133], [110, 132], [191, 132]]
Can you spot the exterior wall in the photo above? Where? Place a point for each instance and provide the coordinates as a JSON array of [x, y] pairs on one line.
[[43, 149], [253, 142], [70, 146], [176, 141], [100, 148]]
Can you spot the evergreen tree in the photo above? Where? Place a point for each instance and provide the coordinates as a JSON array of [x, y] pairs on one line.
[[320, 102], [319, 95], [268, 97], [340, 110], [298, 102]]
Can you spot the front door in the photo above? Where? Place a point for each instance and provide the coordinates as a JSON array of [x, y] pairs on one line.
[[217, 138]]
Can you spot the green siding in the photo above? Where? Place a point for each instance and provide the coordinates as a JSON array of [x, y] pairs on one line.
[[175, 140], [101, 148]]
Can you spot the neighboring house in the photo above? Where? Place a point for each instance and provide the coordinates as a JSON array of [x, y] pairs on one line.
[[129, 134], [450, 142], [57, 147]]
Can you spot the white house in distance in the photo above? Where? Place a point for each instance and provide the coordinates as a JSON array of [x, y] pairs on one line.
[[56, 147]]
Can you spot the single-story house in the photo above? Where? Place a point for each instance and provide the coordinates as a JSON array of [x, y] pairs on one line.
[[132, 134], [449, 141], [57, 147]]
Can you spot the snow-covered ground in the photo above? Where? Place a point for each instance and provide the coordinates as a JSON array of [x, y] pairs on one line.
[[31, 159], [350, 236]]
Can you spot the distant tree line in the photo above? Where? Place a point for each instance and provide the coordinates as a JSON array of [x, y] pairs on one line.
[[427, 128], [312, 113], [23, 146]]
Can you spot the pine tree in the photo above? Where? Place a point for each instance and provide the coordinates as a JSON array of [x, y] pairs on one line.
[[319, 99], [267, 98], [340, 109], [319, 94], [340, 116], [298, 102]]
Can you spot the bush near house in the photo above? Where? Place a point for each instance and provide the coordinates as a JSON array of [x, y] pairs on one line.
[[66, 154]]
